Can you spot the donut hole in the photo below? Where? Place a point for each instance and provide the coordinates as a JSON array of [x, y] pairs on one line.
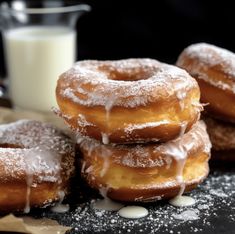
[[127, 74], [11, 146]]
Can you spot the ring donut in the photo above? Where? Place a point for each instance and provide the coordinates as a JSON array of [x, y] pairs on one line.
[[214, 69], [128, 101], [36, 163], [147, 172]]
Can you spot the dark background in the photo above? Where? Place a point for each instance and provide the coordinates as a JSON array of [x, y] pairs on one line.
[[159, 29]]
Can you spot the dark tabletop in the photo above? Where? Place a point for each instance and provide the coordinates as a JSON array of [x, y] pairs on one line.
[[213, 213]]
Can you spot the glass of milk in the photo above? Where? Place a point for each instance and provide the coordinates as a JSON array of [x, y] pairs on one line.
[[39, 45]]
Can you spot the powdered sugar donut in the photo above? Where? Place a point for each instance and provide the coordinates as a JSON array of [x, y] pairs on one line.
[[126, 101], [222, 136], [214, 69], [36, 163], [148, 172]]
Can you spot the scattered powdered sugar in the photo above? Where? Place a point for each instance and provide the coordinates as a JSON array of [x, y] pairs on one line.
[[187, 215], [203, 217], [218, 192]]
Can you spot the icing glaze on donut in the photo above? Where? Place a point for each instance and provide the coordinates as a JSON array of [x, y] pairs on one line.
[[128, 101], [35, 153], [135, 169], [146, 155], [40, 145]]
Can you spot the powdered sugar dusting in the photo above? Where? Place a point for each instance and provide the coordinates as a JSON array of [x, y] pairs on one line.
[[222, 134], [152, 155], [97, 83], [36, 144], [204, 57]]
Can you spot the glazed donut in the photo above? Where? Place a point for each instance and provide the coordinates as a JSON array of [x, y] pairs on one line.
[[36, 163], [147, 172], [222, 136], [128, 101], [214, 69]]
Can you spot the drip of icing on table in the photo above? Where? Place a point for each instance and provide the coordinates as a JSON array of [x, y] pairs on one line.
[[133, 212], [107, 203], [59, 207], [36, 56]]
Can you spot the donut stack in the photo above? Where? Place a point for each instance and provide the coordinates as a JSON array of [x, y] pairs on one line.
[[137, 121], [214, 70]]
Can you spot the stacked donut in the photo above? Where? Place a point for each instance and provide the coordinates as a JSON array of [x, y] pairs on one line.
[[214, 70], [137, 119]]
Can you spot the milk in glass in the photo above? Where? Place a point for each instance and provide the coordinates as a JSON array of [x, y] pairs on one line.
[[36, 56]]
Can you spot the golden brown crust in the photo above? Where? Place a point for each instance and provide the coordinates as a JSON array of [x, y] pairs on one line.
[[214, 69], [36, 164], [222, 136], [102, 100], [147, 172]]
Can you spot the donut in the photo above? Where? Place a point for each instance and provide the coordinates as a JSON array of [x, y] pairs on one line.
[[128, 101], [214, 70], [222, 136], [147, 172], [36, 163]]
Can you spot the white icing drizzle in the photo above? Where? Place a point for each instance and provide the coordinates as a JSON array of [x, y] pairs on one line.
[[29, 182], [182, 201], [183, 128], [133, 212], [105, 138], [153, 155], [180, 155], [29, 178], [35, 149], [105, 153], [106, 203], [59, 207], [105, 166]]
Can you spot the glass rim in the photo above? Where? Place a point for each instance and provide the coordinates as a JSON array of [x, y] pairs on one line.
[[49, 10]]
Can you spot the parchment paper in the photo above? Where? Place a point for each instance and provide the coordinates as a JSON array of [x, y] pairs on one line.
[[10, 223]]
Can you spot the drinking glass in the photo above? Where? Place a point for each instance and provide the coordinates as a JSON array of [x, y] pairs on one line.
[[39, 44]]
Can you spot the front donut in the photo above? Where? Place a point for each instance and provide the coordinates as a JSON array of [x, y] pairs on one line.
[[128, 101]]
